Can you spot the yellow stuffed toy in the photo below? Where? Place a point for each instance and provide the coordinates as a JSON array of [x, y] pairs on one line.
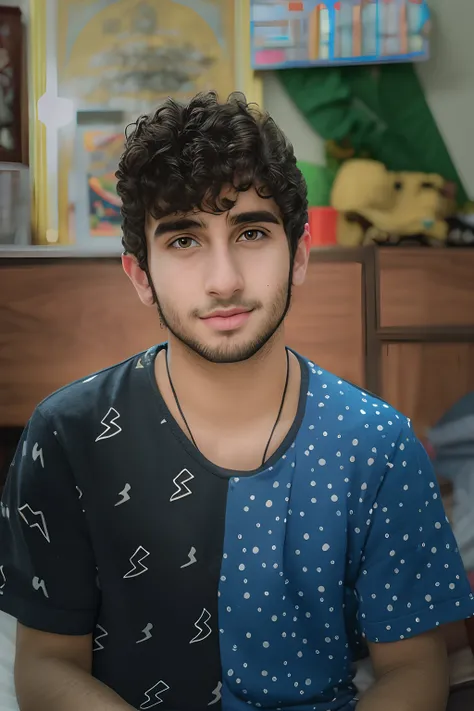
[[377, 205]]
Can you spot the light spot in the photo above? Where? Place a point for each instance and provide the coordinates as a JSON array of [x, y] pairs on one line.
[[269, 504]]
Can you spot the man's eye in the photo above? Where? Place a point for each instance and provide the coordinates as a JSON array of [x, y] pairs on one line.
[[252, 235], [183, 243]]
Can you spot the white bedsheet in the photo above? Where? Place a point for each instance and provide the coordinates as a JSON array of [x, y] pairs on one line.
[[7, 654]]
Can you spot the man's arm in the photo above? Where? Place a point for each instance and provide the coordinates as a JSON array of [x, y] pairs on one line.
[[53, 673], [411, 675]]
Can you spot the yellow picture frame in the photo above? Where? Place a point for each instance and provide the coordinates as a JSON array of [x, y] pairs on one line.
[[52, 143]]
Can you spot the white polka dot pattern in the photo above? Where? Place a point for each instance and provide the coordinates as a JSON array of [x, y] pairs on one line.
[[345, 535]]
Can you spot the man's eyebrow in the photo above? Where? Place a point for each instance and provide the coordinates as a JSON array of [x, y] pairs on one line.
[[244, 218], [180, 224]]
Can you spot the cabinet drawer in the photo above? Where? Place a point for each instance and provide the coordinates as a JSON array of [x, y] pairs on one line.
[[426, 287]]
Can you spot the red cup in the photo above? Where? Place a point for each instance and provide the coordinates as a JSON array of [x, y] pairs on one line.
[[322, 226]]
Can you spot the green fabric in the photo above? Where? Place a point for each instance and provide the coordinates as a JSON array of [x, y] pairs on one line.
[[319, 180], [380, 110]]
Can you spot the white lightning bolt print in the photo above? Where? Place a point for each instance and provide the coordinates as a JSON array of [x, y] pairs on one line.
[[3, 580], [192, 558], [40, 585], [92, 377], [203, 627], [26, 512], [98, 646], [180, 481], [147, 632], [124, 494], [159, 688], [217, 694], [110, 424], [137, 565], [37, 453]]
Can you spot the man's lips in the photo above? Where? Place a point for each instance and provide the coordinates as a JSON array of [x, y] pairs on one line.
[[226, 313], [227, 319]]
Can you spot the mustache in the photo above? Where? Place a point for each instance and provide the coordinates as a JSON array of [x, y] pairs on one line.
[[227, 304]]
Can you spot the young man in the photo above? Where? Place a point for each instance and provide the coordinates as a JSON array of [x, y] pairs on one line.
[[218, 522]]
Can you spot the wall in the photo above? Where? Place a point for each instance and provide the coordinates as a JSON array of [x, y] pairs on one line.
[[448, 80], [308, 145]]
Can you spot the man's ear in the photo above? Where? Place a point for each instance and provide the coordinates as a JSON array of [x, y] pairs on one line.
[[300, 262], [139, 279]]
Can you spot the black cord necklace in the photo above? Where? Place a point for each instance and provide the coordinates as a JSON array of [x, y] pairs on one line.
[[276, 421]]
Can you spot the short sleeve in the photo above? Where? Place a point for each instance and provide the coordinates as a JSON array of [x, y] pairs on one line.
[[47, 566], [412, 578]]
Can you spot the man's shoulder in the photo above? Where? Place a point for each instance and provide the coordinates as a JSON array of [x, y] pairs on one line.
[[354, 406], [81, 399]]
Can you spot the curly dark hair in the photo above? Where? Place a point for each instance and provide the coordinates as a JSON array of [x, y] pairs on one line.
[[179, 159]]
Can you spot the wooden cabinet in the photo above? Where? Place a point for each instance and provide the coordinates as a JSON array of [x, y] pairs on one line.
[[61, 320], [425, 330], [326, 322], [423, 380]]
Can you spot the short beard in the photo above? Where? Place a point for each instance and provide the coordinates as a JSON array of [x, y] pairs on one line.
[[236, 354]]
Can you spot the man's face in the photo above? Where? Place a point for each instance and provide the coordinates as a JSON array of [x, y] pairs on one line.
[[222, 280]]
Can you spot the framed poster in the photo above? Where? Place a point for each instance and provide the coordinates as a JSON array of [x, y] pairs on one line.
[[97, 65], [92, 185], [310, 33]]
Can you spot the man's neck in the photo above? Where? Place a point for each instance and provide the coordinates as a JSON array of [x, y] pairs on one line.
[[220, 393]]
